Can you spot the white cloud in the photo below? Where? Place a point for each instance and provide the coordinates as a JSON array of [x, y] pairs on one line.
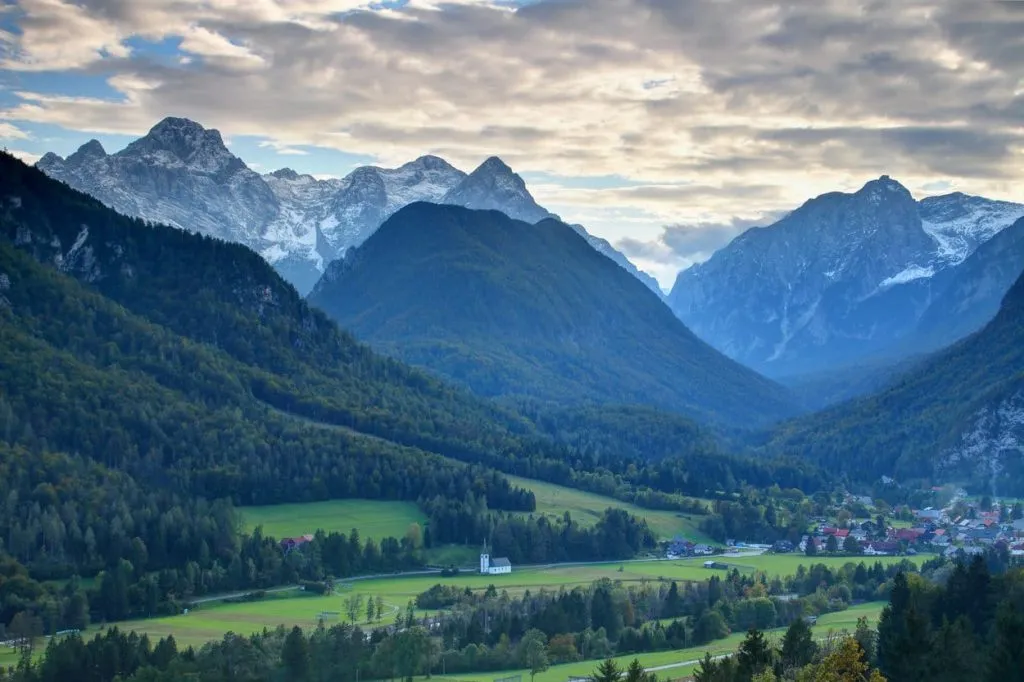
[[724, 109], [9, 131], [27, 157]]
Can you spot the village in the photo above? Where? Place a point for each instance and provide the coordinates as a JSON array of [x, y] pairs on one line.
[[857, 527]]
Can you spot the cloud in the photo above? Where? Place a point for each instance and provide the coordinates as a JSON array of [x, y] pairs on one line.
[[282, 149], [716, 110], [682, 245], [27, 157], [9, 131]]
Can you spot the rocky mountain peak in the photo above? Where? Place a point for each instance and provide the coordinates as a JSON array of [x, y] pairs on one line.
[[186, 140], [285, 174], [495, 186], [884, 188], [50, 161], [429, 162], [493, 165], [89, 151]]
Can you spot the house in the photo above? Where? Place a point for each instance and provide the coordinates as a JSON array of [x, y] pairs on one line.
[[288, 544], [498, 566], [909, 534], [881, 548], [928, 514]]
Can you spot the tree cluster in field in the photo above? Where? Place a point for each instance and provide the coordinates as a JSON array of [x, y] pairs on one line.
[[480, 631], [798, 658]]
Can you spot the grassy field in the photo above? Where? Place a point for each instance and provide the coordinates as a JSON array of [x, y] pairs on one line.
[[212, 620], [8, 657], [833, 622], [586, 508], [373, 518]]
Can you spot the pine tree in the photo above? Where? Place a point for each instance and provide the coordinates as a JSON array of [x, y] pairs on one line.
[[798, 647], [607, 671], [1006, 657], [754, 655], [295, 655]]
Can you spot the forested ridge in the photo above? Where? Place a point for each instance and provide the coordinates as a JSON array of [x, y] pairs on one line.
[[910, 429], [516, 310]]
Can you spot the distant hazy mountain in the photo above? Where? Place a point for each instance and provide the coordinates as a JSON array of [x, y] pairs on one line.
[[182, 174], [850, 276], [515, 309], [958, 416]]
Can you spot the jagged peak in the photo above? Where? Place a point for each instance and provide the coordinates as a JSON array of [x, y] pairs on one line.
[[180, 136], [50, 159], [88, 151], [285, 174], [492, 166], [175, 124], [428, 162], [883, 183]]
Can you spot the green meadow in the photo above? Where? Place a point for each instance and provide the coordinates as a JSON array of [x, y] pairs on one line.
[[374, 518], [586, 508], [211, 620]]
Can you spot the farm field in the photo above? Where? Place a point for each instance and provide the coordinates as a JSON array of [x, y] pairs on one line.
[[374, 518], [834, 622], [212, 620], [586, 508]]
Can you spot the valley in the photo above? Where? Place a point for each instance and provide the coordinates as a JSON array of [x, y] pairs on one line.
[[508, 340]]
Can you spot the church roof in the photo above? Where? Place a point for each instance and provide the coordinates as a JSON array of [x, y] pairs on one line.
[[501, 562]]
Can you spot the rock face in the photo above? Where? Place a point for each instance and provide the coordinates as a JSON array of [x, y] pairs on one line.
[[844, 277], [183, 175], [518, 310]]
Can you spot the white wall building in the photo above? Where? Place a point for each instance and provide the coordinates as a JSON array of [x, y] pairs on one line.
[[495, 566]]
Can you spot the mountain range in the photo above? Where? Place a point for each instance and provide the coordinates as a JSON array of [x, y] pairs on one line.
[[852, 278], [529, 310], [183, 175], [958, 416]]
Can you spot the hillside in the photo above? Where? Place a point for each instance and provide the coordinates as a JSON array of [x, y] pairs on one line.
[[518, 310], [958, 416]]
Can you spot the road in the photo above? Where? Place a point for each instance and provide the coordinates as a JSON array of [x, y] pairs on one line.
[[341, 582]]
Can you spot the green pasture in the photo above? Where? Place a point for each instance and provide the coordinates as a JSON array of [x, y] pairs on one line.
[[211, 620], [372, 518], [586, 508]]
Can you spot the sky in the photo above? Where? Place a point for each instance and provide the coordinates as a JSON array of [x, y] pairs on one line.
[[665, 126]]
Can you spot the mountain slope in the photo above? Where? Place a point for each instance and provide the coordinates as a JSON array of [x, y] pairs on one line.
[[183, 175], [514, 309], [842, 278], [288, 356], [958, 416]]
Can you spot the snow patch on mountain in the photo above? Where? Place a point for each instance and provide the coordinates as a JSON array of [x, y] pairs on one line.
[[959, 223], [908, 275]]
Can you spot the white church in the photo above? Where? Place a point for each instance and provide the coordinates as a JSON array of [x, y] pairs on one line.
[[490, 566]]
